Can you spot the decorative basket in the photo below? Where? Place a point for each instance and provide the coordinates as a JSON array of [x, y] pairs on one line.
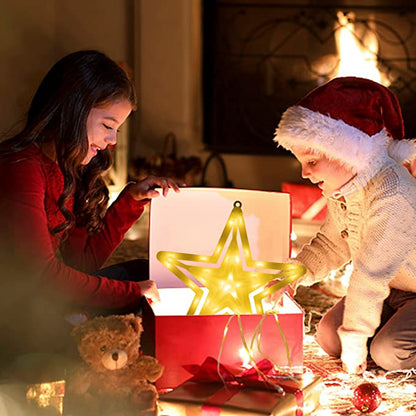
[[167, 163]]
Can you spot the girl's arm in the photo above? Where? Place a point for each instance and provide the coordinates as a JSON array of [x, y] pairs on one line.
[[32, 257], [90, 252]]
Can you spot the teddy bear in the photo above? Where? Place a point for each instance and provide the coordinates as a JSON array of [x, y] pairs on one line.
[[114, 378]]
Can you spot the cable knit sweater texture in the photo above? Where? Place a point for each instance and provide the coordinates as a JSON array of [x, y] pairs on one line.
[[371, 221]]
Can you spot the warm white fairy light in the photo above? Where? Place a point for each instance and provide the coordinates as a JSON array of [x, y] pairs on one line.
[[341, 391], [337, 392], [245, 358], [408, 389], [293, 236], [294, 239], [323, 412], [318, 351], [336, 397], [344, 277], [392, 391], [402, 411], [307, 376]]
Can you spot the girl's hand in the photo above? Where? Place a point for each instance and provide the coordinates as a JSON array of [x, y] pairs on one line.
[[145, 189], [149, 290]]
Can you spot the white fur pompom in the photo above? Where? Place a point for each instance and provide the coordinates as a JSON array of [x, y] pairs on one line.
[[402, 150]]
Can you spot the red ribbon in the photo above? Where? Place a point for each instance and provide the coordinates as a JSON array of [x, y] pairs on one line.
[[211, 372], [257, 376]]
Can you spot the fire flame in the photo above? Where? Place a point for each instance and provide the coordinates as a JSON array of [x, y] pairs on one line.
[[358, 54]]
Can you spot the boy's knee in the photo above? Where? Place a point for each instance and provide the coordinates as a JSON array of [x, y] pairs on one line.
[[389, 356]]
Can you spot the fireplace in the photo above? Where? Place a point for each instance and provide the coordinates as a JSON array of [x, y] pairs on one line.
[[260, 57]]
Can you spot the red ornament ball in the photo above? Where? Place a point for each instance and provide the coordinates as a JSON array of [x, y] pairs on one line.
[[366, 397]]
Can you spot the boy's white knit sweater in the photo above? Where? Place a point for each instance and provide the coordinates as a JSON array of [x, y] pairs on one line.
[[372, 221]]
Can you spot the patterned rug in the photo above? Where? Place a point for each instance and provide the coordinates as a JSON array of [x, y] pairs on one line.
[[398, 388]]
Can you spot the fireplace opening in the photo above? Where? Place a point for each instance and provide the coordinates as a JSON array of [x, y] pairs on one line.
[[260, 57]]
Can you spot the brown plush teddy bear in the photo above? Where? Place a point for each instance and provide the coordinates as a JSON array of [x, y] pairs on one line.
[[115, 379]]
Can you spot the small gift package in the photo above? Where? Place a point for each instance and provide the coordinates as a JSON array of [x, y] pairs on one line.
[[214, 389], [216, 256], [308, 203], [47, 396]]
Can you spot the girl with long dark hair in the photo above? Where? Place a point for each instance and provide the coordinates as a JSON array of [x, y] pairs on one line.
[[57, 231]]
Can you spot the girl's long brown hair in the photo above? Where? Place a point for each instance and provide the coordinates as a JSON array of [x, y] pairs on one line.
[[58, 113]]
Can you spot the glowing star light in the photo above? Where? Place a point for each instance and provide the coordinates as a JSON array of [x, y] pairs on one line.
[[235, 283]]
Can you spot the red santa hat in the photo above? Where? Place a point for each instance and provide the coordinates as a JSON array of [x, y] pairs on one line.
[[348, 119]]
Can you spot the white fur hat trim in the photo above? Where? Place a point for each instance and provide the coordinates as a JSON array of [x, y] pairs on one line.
[[301, 128]]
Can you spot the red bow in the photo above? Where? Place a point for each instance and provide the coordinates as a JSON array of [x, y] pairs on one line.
[[210, 371]]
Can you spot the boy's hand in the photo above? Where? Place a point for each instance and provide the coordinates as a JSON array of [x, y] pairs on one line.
[[275, 300], [354, 351], [354, 369]]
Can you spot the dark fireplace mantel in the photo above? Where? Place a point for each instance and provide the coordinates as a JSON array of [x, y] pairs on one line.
[[260, 57]]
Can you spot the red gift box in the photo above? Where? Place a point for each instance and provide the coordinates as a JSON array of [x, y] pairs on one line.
[[180, 340], [308, 203], [195, 221], [215, 390]]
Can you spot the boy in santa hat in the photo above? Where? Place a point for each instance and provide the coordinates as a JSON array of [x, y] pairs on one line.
[[348, 136]]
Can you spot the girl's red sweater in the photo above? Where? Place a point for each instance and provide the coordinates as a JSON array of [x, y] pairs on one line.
[[30, 187]]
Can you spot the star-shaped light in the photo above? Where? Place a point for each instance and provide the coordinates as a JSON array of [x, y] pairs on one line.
[[235, 282]]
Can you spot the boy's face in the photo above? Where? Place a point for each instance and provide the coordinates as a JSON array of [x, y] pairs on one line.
[[329, 175]]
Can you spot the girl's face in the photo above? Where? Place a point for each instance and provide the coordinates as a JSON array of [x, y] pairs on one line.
[[329, 175], [103, 123]]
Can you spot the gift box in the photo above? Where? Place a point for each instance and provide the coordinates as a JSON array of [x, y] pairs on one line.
[[198, 239], [308, 203], [49, 396], [286, 396]]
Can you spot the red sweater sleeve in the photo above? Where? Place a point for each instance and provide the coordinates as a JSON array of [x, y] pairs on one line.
[[89, 252], [24, 211]]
